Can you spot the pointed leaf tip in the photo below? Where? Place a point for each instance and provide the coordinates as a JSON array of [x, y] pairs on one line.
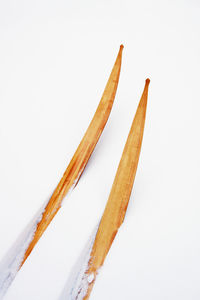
[[147, 81]]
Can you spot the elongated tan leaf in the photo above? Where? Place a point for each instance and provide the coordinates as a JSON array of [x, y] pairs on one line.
[[82, 154], [115, 210]]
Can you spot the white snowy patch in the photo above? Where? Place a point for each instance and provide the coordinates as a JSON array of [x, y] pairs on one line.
[[78, 282], [90, 278], [11, 262]]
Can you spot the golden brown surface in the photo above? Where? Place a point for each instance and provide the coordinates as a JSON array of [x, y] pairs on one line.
[[115, 210], [82, 154]]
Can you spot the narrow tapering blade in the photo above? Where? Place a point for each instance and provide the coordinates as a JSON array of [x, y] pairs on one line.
[[117, 203], [82, 154], [18, 254]]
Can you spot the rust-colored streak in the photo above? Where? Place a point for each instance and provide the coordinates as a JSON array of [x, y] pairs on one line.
[[115, 209], [82, 154]]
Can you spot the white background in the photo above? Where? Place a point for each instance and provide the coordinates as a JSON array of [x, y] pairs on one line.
[[55, 59]]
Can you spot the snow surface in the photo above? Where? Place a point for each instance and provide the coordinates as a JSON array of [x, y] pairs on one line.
[[11, 262]]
